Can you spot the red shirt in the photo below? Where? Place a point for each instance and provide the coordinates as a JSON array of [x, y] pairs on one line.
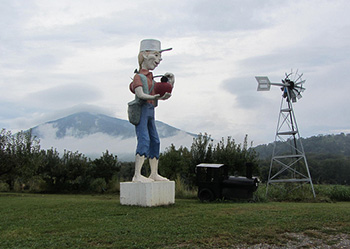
[[138, 82]]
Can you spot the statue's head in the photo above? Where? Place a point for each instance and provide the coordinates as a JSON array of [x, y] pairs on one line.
[[150, 54]]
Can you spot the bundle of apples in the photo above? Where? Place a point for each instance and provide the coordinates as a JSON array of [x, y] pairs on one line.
[[163, 86]]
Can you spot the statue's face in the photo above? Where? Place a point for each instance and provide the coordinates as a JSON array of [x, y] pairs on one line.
[[151, 60]]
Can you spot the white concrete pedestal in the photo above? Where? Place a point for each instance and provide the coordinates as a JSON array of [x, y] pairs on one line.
[[147, 194]]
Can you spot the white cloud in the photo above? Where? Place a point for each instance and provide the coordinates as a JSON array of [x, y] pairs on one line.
[[61, 54], [95, 144]]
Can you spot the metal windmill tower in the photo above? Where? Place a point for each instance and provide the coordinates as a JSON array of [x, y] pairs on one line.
[[288, 162]]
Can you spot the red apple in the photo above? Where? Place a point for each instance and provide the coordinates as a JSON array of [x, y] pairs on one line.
[[163, 87]]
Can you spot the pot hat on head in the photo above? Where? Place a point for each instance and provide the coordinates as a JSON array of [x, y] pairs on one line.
[[151, 45]]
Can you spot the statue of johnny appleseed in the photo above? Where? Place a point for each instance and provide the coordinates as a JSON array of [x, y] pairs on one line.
[[147, 93]]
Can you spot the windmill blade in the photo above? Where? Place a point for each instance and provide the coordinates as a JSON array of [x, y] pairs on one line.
[[287, 75], [302, 89], [293, 95], [300, 83], [299, 78], [301, 75], [295, 75], [299, 95], [296, 92]]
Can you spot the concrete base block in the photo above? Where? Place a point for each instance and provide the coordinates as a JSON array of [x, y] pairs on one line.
[[147, 194]]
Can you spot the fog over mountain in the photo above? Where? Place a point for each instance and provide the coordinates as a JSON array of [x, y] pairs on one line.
[[92, 134]]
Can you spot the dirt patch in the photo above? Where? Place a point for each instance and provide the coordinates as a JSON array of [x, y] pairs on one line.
[[308, 239]]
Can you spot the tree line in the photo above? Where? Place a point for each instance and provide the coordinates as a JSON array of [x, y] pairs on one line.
[[328, 158], [24, 166]]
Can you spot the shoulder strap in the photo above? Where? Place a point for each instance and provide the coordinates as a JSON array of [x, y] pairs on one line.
[[144, 83], [145, 86], [153, 83]]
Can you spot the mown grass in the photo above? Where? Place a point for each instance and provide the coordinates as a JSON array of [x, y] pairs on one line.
[[86, 221]]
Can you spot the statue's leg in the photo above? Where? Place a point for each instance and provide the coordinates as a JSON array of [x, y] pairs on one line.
[[139, 160], [154, 150], [142, 148], [142, 134], [154, 170]]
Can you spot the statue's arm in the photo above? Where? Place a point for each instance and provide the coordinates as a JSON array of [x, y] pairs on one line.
[[139, 92]]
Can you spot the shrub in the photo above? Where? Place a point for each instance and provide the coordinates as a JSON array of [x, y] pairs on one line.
[[99, 185], [260, 194], [183, 191], [340, 193], [290, 192], [113, 185], [4, 187], [37, 184]]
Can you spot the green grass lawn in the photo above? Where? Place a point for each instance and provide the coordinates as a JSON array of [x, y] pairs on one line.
[[83, 221]]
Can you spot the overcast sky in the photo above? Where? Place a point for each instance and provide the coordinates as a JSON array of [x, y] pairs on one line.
[[61, 57]]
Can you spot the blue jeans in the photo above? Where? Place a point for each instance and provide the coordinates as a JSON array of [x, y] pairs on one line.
[[148, 143]]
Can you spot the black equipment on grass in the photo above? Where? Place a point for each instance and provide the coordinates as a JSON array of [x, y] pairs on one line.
[[214, 183]]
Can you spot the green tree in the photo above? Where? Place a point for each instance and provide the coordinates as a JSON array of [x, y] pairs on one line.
[[76, 167], [126, 171], [20, 157], [6, 168], [105, 167], [235, 156], [52, 170], [175, 163], [201, 149], [67, 173]]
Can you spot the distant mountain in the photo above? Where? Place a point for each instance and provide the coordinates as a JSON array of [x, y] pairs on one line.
[[83, 124], [92, 134]]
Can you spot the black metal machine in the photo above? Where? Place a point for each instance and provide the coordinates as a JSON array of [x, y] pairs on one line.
[[214, 183]]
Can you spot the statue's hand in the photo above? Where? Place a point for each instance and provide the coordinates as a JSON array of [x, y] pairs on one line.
[[156, 96], [165, 96], [171, 78]]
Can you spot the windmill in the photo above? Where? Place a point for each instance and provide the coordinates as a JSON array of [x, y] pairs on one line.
[[288, 162]]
